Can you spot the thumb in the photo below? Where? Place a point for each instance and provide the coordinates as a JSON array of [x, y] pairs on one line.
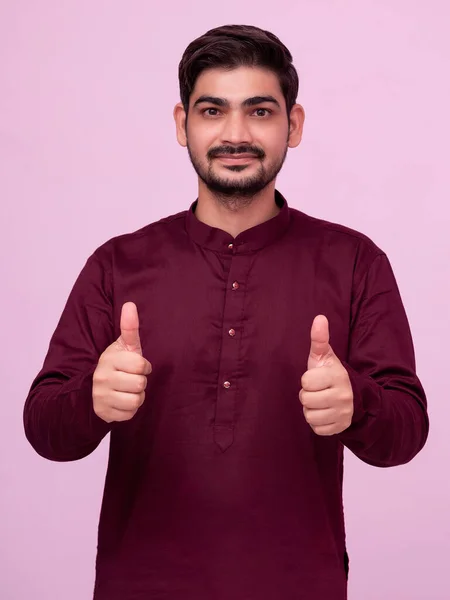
[[320, 342], [129, 328]]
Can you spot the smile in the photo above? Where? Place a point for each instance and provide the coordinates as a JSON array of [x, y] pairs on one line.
[[233, 160]]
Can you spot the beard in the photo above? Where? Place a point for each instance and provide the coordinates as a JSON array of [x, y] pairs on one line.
[[236, 192]]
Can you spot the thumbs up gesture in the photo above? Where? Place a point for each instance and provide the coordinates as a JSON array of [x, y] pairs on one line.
[[326, 394], [120, 379]]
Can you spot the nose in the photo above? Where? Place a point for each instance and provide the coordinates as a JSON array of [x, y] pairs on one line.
[[235, 130]]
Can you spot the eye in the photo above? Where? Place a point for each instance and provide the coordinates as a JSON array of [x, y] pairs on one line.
[[215, 112], [265, 110], [205, 111]]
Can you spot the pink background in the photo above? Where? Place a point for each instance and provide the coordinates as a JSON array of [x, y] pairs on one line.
[[88, 151]]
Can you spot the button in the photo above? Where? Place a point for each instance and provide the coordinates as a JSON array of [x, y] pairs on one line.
[[226, 384], [235, 285], [230, 246], [232, 332]]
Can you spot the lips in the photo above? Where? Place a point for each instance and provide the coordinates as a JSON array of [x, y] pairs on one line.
[[235, 156]]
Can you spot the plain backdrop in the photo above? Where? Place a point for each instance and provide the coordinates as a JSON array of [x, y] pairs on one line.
[[88, 151]]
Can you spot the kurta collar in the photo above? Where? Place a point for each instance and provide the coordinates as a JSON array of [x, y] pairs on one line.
[[250, 240]]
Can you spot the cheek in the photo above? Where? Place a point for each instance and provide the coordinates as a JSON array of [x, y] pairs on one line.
[[272, 142], [200, 145], [202, 137]]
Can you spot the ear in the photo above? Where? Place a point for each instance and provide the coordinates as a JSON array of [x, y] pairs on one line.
[[179, 115], [296, 126]]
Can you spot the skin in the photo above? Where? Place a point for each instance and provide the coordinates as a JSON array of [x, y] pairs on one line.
[[233, 196], [326, 393]]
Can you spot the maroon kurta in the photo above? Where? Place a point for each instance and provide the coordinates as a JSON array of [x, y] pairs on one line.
[[218, 489]]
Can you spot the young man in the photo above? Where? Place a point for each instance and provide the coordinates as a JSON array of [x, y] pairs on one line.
[[232, 350]]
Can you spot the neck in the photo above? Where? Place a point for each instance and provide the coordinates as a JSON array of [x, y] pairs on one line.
[[236, 215]]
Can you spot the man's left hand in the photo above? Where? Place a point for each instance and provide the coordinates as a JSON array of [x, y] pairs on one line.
[[326, 393]]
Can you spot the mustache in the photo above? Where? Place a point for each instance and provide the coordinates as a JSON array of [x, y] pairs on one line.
[[230, 150]]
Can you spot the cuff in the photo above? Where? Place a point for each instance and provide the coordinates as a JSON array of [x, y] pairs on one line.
[[91, 427], [366, 396]]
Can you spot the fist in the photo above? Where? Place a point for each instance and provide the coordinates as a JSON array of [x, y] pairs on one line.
[[326, 394], [120, 379]]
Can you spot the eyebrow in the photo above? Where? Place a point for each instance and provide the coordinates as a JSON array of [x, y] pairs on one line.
[[225, 104]]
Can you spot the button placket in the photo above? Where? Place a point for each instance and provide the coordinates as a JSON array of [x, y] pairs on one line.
[[229, 367]]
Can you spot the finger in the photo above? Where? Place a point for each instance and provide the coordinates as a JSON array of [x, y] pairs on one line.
[[320, 417], [128, 382], [129, 327], [317, 400], [327, 430], [131, 362], [126, 401], [316, 380], [320, 338]]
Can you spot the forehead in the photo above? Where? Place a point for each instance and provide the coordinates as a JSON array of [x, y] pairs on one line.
[[237, 84]]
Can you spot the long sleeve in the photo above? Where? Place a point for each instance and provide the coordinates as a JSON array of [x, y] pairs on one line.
[[59, 419], [390, 422]]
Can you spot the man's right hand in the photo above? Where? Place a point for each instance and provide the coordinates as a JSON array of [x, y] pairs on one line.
[[120, 379]]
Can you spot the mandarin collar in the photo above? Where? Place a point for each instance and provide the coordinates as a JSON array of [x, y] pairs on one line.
[[250, 240]]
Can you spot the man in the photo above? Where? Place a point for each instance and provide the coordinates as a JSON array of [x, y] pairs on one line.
[[232, 350]]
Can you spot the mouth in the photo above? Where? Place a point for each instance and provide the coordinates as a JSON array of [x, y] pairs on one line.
[[236, 158]]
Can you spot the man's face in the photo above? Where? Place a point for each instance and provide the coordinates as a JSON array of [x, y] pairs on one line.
[[237, 130]]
